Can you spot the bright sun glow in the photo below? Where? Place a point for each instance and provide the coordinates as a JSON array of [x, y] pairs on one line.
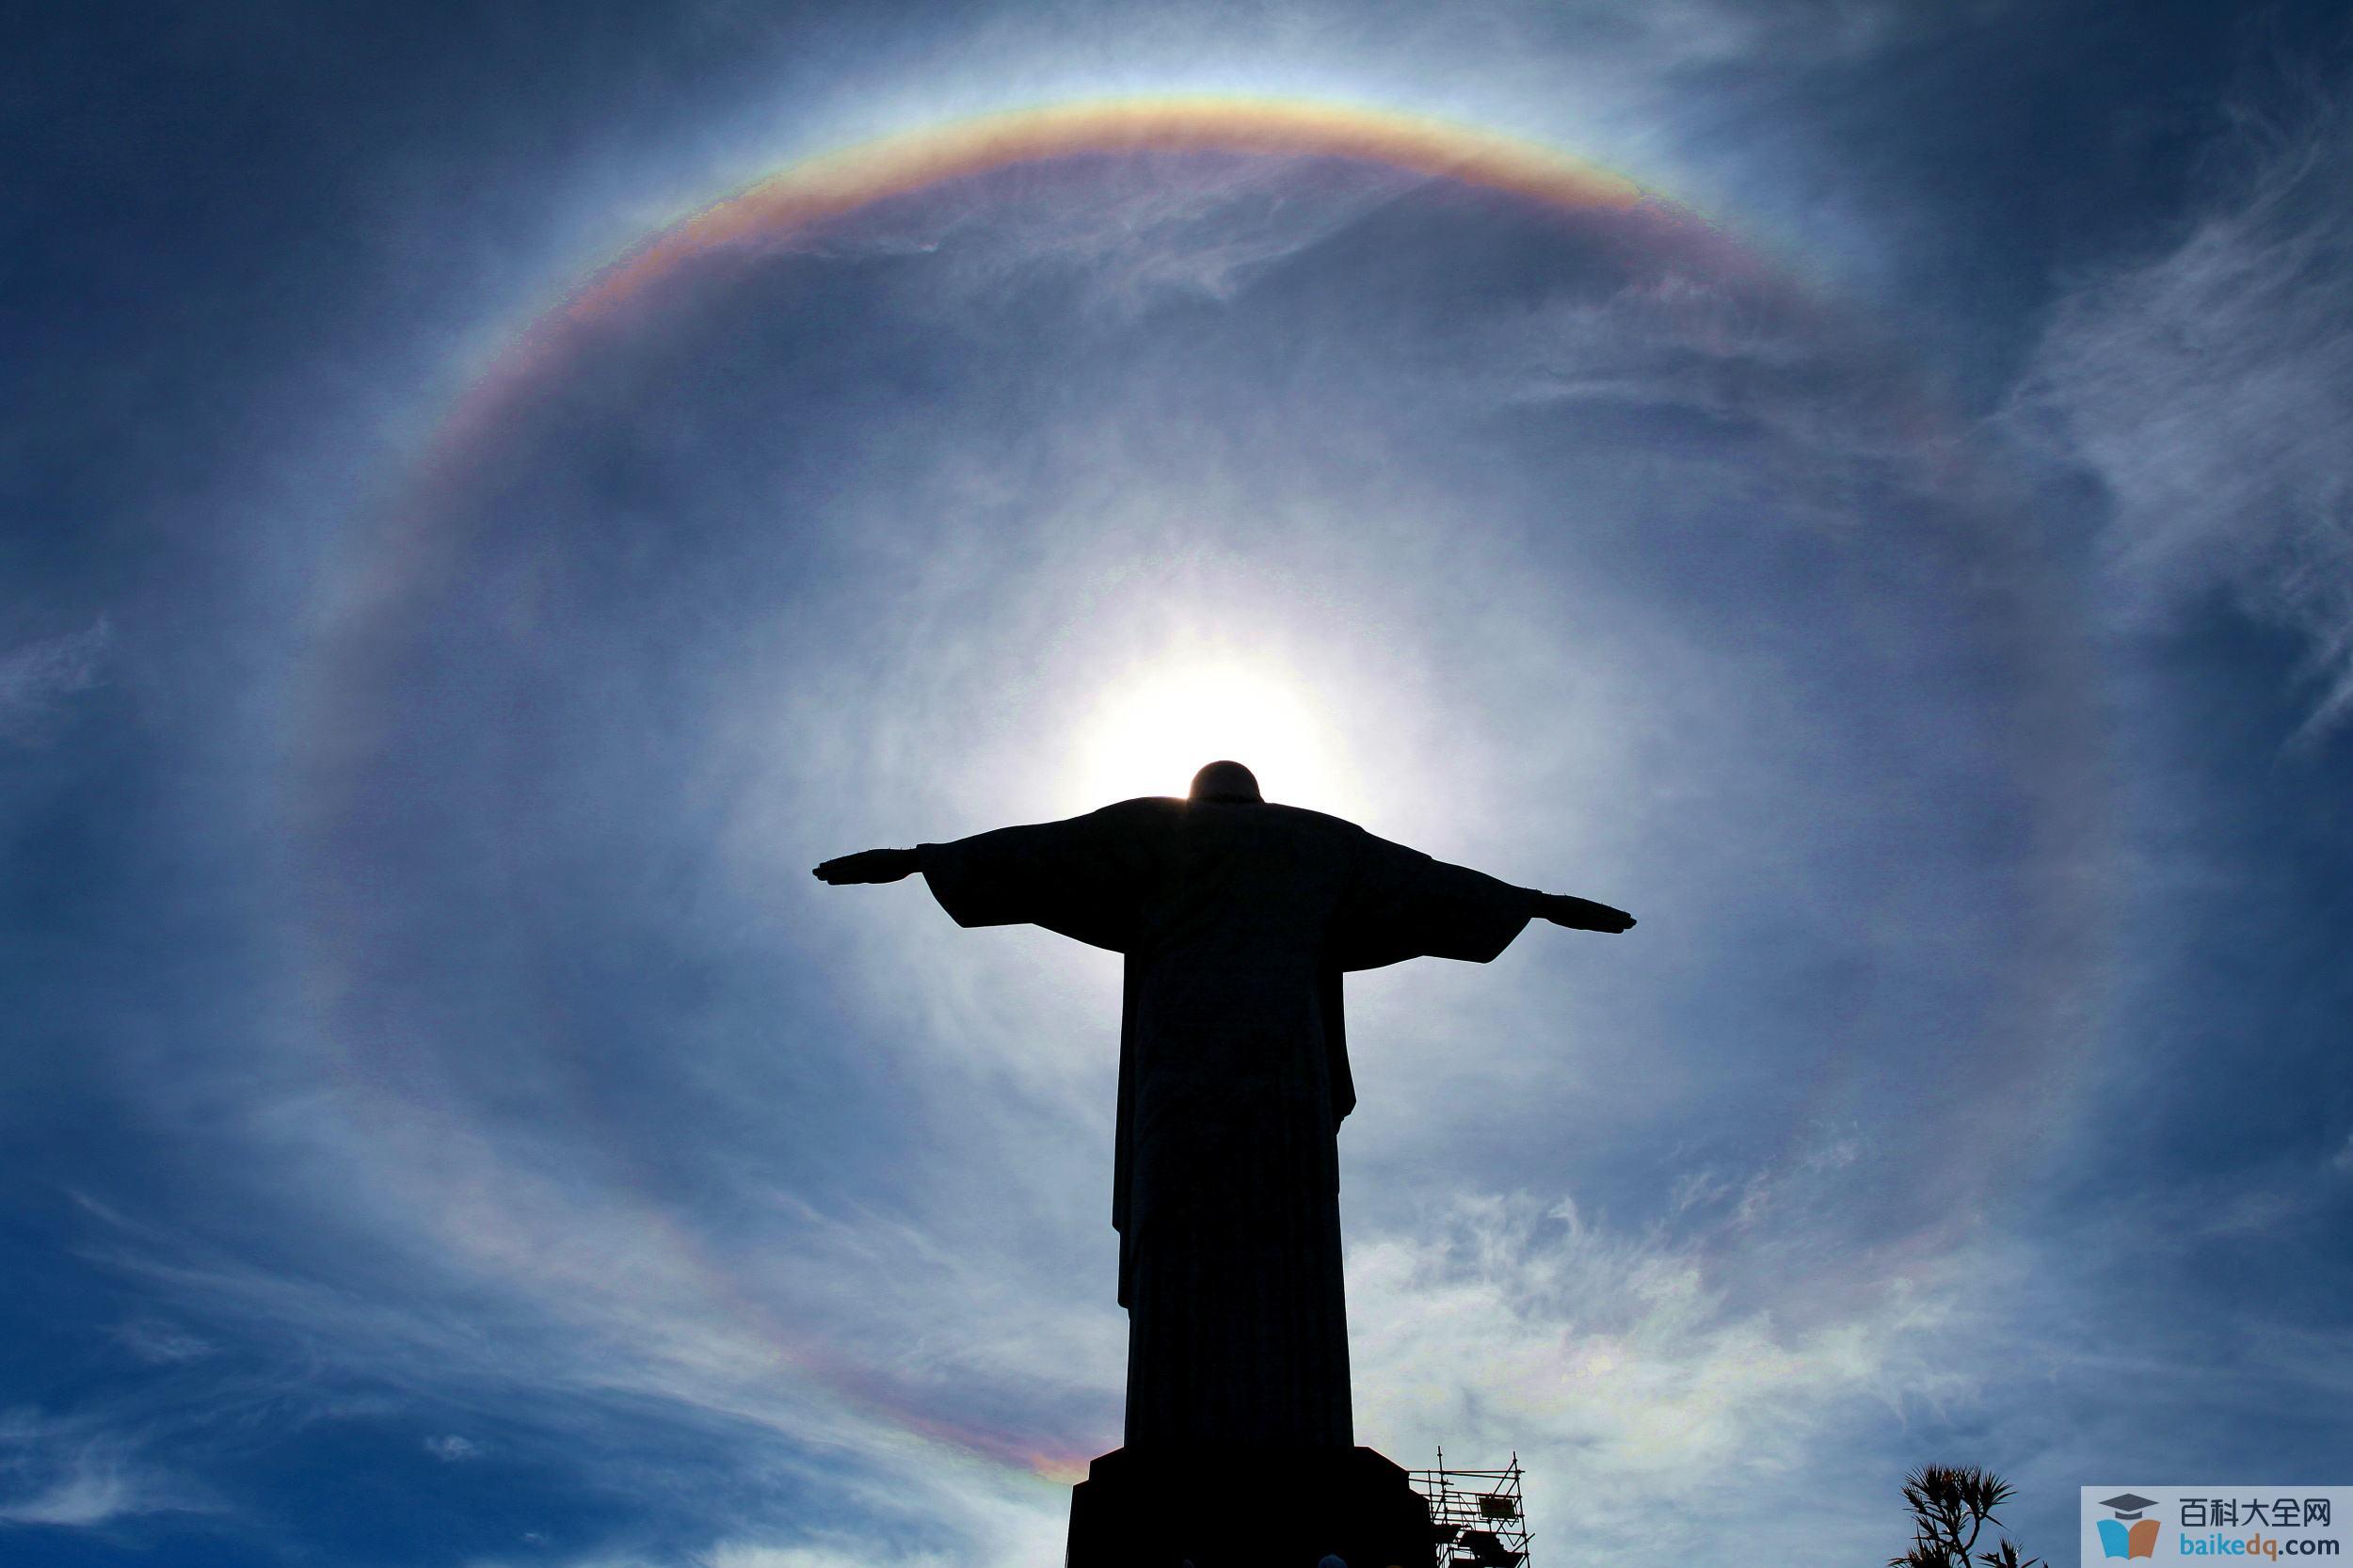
[[1148, 735]]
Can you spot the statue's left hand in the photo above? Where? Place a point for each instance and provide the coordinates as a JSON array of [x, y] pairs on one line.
[[868, 865]]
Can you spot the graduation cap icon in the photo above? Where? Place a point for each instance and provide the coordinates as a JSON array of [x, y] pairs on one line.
[[2128, 1505]]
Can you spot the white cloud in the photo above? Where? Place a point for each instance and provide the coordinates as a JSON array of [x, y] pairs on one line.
[[841, 1551], [35, 677], [161, 1343], [1703, 33], [66, 1470], [95, 1492], [1127, 245], [1619, 1368], [1842, 421], [822, 1365], [2210, 389], [602, 1557]]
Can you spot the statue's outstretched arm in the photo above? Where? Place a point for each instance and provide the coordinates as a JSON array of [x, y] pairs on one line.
[[868, 865], [1581, 914]]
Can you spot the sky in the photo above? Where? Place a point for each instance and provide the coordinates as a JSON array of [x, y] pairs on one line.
[[492, 495]]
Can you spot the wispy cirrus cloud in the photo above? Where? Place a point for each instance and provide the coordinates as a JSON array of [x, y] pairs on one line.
[[36, 677], [1620, 1364], [71, 1470], [841, 1551], [2209, 387], [638, 1349], [160, 1343]]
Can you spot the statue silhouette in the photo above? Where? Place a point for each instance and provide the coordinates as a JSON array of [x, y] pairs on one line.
[[1237, 919]]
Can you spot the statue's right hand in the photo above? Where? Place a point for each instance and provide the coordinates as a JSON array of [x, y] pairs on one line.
[[1583, 913], [867, 865]]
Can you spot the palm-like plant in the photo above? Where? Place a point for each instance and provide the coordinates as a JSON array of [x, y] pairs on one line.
[[1950, 1507]]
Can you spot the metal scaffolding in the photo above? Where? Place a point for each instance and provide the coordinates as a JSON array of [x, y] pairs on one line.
[[1476, 1515]]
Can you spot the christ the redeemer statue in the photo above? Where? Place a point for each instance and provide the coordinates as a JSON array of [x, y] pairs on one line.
[[1237, 919]]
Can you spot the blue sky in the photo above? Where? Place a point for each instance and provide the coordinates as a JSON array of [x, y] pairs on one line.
[[444, 1123]]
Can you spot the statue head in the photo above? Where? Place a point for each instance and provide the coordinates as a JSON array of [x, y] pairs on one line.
[[1229, 782]]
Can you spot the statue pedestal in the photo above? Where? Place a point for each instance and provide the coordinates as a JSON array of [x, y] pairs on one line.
[[1246, 1505]]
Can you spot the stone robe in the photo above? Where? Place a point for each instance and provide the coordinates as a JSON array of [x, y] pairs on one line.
[[1237, 921]]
